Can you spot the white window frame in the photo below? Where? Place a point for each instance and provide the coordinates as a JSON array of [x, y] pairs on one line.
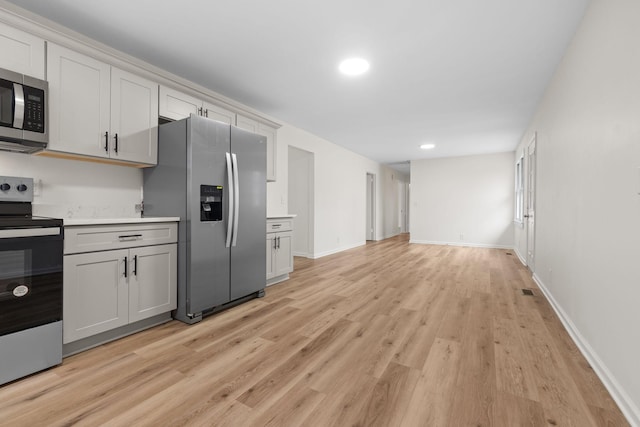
[[519, 192]]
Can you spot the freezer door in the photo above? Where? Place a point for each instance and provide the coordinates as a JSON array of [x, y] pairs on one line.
[[248, 255], [208, 143]]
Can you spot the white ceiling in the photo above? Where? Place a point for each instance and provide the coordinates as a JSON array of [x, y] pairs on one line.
[[463, 74]]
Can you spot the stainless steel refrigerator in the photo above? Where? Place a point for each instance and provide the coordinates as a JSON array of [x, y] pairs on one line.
[[213, 176]]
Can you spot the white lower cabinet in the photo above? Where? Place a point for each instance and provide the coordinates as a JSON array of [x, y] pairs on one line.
[[96, 295], [152, 281], [107, 289], [279, 253]]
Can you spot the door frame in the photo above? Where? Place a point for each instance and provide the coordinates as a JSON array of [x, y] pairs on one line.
[[310, 177], [370, 212], [531, 200]]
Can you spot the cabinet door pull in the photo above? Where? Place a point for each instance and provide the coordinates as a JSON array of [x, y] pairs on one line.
[[200, 111], [278, 242], [106, 141], [206, 113], [126, 268], [135, 265], [115, 148], [130, 237]]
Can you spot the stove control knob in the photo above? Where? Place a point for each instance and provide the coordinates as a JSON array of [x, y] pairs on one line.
[[22, 187], [5, 187]]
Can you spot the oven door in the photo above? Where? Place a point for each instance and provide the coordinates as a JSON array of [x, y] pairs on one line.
[[30, 277]]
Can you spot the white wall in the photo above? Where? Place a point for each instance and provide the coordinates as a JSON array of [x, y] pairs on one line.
[[71, 188], [588, 206], [340, 192], [463, 200]]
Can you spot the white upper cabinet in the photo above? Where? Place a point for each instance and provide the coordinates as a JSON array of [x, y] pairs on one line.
[[79, 90], [100, 111], [175, 105], [272, 146], [246, 123], [21, 52], [264, 130], [218, 113], [134, 118]]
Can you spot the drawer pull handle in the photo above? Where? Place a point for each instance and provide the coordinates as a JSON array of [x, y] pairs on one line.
[[276, 225], [130, 237]]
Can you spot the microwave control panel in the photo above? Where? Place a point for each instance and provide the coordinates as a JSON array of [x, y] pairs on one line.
[[34, 105]]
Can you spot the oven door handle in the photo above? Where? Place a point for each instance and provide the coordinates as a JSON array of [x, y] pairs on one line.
[[29, 232]]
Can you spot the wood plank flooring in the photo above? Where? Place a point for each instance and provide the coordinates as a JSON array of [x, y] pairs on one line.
[[389, 334]]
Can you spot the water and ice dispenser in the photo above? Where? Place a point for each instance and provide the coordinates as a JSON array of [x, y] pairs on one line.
[[210, 203]]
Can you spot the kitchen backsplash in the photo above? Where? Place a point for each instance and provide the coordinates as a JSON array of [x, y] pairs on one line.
[[77, 189]]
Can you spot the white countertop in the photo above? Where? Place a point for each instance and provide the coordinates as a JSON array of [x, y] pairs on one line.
[[106, 221], [281, 216]]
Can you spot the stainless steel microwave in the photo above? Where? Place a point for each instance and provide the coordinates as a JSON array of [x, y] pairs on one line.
[[23, 113]]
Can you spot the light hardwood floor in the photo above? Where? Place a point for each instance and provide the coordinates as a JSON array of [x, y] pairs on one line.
[[389, 334]]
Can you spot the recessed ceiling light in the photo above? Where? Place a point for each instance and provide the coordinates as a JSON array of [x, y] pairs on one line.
[[354, 66], [428, 146]]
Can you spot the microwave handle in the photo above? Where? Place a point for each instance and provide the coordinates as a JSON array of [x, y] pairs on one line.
[[18, 96]]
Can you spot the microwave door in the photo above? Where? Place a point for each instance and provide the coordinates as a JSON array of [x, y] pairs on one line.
[[7, 110]]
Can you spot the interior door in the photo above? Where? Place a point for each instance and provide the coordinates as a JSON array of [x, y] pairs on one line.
[[531, 203], [248, 268]]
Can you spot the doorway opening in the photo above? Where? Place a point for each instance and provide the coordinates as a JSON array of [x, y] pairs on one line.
[[301, 200], [371, 207], [403, 206]]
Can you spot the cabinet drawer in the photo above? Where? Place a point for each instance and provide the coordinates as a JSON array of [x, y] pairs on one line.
[[276, 225], [78, 239]]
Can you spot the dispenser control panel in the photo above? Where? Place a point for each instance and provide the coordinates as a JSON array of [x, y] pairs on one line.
[[210, 203]]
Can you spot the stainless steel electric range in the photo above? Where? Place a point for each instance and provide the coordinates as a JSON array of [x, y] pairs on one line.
[[31, 250]]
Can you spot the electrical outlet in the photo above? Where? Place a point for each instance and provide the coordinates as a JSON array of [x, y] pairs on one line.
[[37, 187]]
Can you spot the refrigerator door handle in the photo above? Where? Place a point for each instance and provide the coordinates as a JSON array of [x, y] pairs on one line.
[[231, 200], [236, 210]]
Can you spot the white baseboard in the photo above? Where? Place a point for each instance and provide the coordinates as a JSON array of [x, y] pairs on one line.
[[626, 404], [302, 254], [517, 252], [335, 251], [473, 245]]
